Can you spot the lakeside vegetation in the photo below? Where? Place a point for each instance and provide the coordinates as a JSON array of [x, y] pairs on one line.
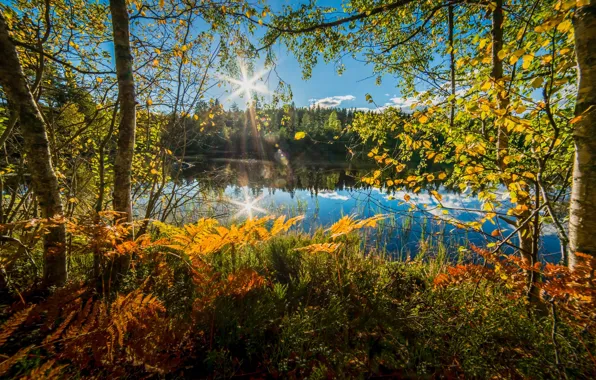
[[254, 301], [109, 129]]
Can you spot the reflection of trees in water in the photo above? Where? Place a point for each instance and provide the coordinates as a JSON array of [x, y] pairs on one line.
[[260, 175]]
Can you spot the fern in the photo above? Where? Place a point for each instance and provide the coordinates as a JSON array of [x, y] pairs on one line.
[[8, 363], [47, 371], [13, 323]]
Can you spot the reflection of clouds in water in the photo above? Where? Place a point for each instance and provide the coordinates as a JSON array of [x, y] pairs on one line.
[[333, 195], [549, 230], [448, 201]]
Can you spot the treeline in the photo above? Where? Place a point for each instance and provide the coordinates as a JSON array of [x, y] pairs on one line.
[[258, 132]]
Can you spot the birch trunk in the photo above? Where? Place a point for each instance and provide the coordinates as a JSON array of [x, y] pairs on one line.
[[582, 216], [43, 179], [126, 130]]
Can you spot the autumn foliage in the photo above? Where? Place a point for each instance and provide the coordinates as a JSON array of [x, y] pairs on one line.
[[207, 300]]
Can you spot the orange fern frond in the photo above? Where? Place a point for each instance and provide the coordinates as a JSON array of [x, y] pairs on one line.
[[14, 359], [348, 224], [13, 323], [46, 371], [322, 247]]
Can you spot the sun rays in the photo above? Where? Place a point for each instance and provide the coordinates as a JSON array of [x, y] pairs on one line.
[[246, 85], [248, 206]]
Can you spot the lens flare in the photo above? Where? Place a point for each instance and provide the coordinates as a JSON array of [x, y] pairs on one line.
[[247, 85], [248, 206]]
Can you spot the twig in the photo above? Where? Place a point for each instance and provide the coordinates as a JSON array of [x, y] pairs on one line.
[[560, 367], [519, 227]]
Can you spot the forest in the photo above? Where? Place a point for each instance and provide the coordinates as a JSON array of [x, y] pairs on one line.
[[189, 189]]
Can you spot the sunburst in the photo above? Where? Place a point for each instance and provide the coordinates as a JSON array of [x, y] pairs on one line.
[[247, 86], [248, 206]]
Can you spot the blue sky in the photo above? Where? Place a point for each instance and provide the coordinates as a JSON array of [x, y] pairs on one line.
[[325, 85], [348, 90]]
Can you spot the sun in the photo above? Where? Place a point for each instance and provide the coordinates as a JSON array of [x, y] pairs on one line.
[[247, 86]]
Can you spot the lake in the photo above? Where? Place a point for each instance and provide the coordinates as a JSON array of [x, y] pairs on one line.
[[234, 189]]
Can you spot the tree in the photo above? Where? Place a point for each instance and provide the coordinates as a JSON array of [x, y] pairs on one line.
[[43, 178], [495, 108], [582, 219], [122, 198], [127, 99], [333, 125]]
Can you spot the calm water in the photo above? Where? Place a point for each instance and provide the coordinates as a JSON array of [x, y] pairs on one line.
[[324, 192]]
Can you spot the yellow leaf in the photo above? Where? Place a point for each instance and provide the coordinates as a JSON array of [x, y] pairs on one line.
[[299, 135], [406, 197], [154, 172], [211, 116], [155, 62], [162, 3], [423, 119], [486, 86], [442, 176], [537, 82], [565, 26], [196, 117], [99, 80], [149, 102], [437, 195], [527, 61]]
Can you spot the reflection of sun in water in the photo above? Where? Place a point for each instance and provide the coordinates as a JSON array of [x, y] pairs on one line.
[[248, 206]]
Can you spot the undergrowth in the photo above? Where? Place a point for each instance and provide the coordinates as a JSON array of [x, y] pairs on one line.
[[257, 301]]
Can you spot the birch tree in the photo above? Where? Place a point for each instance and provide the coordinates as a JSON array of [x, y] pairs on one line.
[[43, 178]]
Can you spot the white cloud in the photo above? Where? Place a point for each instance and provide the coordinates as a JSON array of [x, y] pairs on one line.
[[333, 195], [405, 104], [416, 103], [331, 101]]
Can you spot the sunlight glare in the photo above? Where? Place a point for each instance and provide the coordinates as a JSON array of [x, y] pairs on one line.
[[248, 206], [247, 86]]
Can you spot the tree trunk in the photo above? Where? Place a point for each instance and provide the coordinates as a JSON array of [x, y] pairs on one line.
[[450, 21], [126, 131], [43, 178], [526, 233], [582, 215]]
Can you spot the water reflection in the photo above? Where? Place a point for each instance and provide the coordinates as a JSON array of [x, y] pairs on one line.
[[326, 191], [258, 175]]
